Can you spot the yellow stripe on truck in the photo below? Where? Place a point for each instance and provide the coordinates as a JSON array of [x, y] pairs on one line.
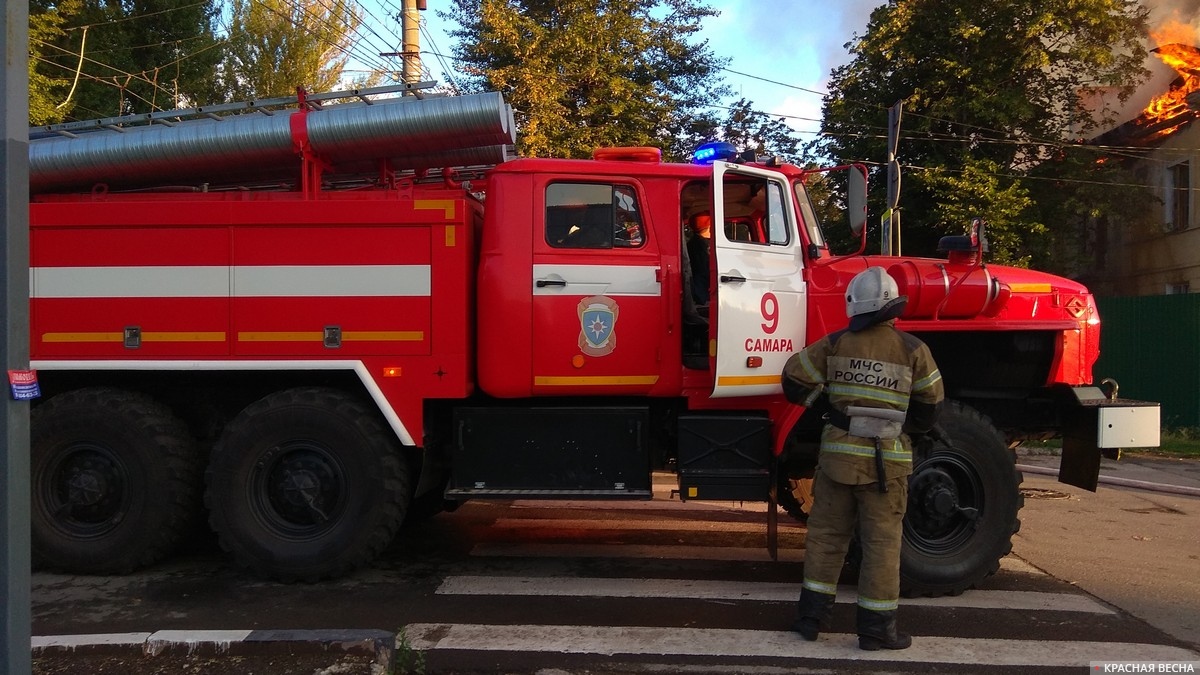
[[1030, 288], [748, 380]]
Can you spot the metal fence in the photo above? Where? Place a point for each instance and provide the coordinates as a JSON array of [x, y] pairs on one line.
[[1151, 346]]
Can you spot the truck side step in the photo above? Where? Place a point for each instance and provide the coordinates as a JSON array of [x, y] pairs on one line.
[[533, 493], [724, 457]]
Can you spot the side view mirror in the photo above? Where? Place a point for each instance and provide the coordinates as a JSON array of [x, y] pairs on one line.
[[856, 198]]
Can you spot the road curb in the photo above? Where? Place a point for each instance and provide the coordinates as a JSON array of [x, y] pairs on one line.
[[1120, 482], [379, 644]]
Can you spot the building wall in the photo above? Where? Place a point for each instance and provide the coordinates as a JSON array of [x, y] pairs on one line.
[[1163, 259]]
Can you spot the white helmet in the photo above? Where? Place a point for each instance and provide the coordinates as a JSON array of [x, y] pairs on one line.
[[872, 297]]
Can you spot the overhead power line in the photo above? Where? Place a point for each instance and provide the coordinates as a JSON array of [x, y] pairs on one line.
[[133, 17]]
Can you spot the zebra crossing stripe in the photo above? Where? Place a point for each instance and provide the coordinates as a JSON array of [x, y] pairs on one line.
[[715, 642], [748, 591]]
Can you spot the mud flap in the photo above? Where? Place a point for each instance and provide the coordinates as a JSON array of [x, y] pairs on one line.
[[1098, 426]]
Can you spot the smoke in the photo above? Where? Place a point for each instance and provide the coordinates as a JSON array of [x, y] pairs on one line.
[[1165, 10], [849, 21], [1163, 13]]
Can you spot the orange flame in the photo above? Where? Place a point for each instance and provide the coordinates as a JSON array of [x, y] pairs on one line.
[[1174, 41]]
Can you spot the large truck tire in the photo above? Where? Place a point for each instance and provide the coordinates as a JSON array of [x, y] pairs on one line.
[[963, 501], [795, 496], [306, 484], [115, 482]]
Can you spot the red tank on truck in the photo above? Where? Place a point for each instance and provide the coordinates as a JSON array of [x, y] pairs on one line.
[[303, 328]]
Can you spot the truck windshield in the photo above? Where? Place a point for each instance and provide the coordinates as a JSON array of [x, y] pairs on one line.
[[808, 215]]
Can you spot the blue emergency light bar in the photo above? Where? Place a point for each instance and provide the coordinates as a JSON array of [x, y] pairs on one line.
[[714, 151]]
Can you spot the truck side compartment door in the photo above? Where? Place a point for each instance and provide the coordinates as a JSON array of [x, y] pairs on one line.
[[598, 308], [760, 314]]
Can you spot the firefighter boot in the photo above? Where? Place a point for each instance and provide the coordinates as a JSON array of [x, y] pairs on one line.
[[813, 609], [877, 630]]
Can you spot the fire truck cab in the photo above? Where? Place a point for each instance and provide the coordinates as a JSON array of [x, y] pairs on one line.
[[584, 291]]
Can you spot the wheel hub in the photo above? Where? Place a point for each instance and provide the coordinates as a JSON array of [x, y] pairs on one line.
[[302, 486], [936, 495], [943, 501], [87, 490]]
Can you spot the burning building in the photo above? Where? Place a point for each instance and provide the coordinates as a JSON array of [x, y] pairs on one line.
[[1161, 143]]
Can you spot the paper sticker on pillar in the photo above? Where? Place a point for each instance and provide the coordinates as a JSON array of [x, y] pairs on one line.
[[597, 325], [24, 385]]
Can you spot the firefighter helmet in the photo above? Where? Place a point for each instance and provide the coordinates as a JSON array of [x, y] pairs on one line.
[[872, 297]]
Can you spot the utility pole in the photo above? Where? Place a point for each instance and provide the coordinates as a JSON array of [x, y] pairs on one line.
[[410, 31], [889, 229], [14, 344]]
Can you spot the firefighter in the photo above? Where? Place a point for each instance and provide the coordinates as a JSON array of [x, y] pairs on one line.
[[698, 255], [881, 386]]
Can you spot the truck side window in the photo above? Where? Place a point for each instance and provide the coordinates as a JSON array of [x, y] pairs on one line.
[[755, 212], [591, 215], [777, 226]]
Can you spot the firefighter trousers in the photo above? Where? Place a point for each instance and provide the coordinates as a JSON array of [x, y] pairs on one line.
[[837, 510]]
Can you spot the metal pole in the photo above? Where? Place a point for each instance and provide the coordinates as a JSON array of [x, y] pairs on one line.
[[14, 342], [411, 49], [890, 230]]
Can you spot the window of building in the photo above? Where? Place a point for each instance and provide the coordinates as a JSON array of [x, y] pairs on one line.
[[593, 215], [1178, 197], [1178, 288]]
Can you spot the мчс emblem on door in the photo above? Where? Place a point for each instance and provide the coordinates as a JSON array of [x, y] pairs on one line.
[[597, 325]]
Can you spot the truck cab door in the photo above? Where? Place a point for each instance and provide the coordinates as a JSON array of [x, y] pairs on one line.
[[760, 291], [599, 315]]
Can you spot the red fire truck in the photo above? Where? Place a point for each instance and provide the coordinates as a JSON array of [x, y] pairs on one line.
[[294, 323]]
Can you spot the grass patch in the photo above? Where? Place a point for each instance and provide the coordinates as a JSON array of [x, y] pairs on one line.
[[1183, 443]]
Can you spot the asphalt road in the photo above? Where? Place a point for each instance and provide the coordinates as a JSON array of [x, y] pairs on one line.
[[648, 587], [1138, 549]]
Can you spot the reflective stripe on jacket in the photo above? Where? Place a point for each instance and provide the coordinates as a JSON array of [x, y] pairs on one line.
[[878, 367]]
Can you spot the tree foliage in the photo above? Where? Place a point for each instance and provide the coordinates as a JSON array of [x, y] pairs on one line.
[[48, 92], [990, 91], [581, 74], [751, 129], [278, 45], [137, 55]]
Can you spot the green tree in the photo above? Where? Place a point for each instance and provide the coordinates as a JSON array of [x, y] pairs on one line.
[[582, 74], [1077, 185], [751, 129], [745, 127], [980, 190], [278, 45], [991, 90], [137, 55], [48, 91]]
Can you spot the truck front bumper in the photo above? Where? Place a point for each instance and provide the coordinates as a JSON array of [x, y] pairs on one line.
[[1097, 426]]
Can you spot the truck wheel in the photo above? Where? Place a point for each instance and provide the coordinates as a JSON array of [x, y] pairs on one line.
[[963, 501], [114, 481], [306, 484], [795, 496]]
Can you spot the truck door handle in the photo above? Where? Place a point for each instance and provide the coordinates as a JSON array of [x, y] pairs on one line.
[[730, 278], [542, 283]]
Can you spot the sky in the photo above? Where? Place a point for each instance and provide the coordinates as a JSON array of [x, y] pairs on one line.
[[793, 42]]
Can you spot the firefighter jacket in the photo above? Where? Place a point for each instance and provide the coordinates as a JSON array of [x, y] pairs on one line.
[[877, 367]]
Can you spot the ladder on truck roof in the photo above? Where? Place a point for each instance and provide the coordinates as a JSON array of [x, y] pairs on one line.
[[221, 110], [276, 141]]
